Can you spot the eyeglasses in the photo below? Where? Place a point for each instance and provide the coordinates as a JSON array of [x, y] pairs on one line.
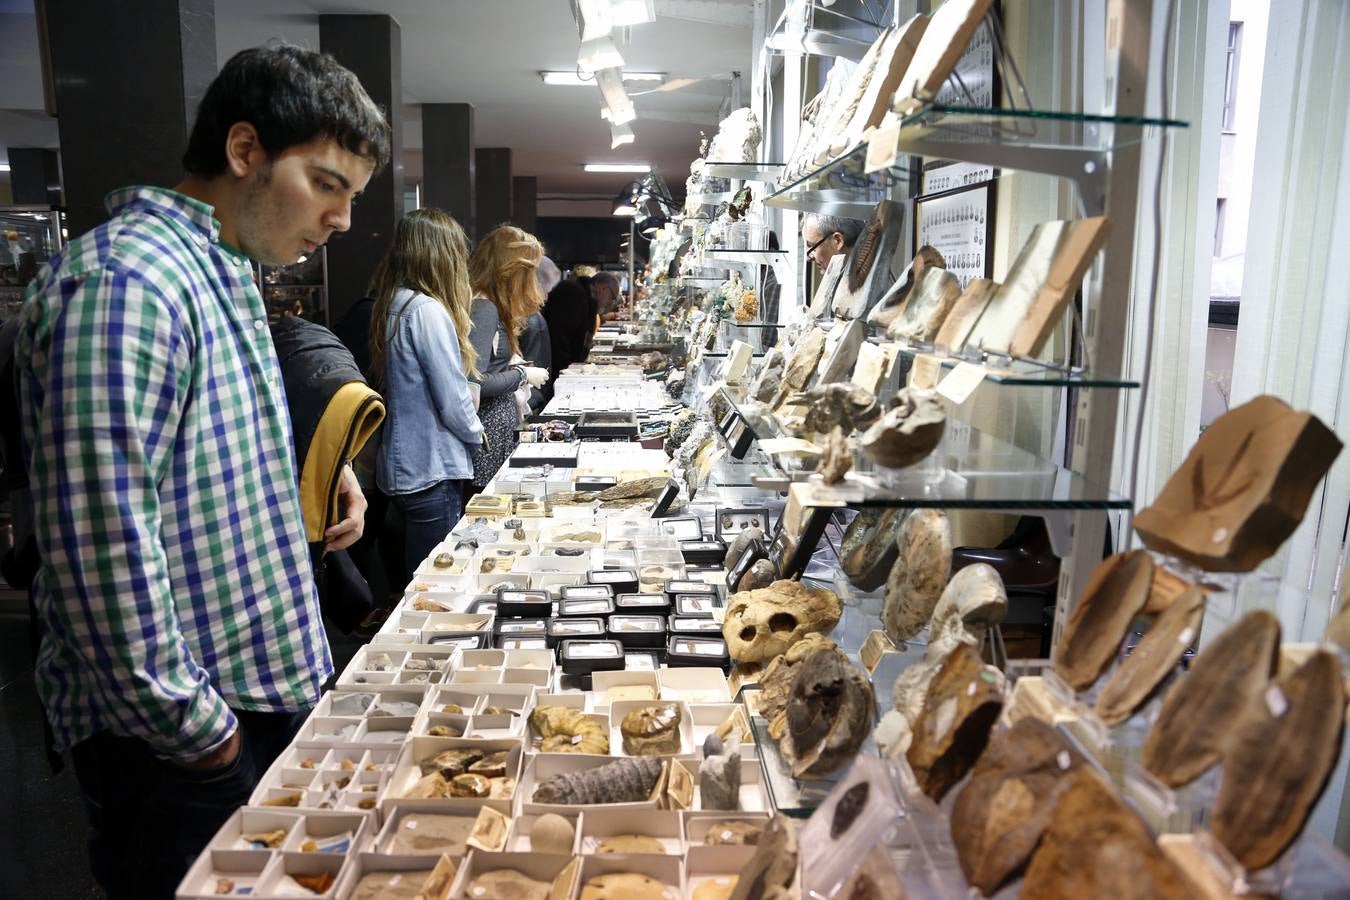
[[812, 249]]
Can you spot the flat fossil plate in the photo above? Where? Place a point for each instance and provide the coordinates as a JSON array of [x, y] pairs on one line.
[[961, 706], [1002, 811], [1201, 712], [1115, 593], [1095, 847], [1157, 654], [1279, 762]]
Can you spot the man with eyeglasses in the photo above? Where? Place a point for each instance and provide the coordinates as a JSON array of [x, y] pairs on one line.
[[826, 236]]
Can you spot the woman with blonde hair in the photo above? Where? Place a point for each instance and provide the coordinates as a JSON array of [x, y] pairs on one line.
[[505, 293], [422, 360]]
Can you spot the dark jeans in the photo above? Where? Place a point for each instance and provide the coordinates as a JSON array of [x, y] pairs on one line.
[[149, 819], [428, 516]]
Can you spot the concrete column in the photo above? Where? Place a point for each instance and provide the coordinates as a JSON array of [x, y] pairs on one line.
[[448, 160], [525, 202], [372, 47], [127, 89], [35, 176], [492, 187]]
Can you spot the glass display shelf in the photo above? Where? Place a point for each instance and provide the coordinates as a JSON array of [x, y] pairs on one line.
[[732, 323], [744, 257], [840, 187], [745, 171], [969, 469], [1008, 370], [1042, 129], [708, 198]]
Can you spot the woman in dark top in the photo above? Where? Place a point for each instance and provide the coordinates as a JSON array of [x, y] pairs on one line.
[[501, 272], [569, 324]]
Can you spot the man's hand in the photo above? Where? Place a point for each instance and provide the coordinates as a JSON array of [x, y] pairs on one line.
[[349, 530], [218, 758]]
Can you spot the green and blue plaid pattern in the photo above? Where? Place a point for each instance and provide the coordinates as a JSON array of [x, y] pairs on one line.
[[176, 579]]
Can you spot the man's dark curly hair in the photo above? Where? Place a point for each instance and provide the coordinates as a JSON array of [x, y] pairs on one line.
[[290, 96]]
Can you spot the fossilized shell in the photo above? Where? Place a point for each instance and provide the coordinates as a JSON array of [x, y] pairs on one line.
[[771, 872], [1096, 847], [1201, 712], [778, 676], [920, 573], [1279, 761], [1000, 814], [651, 730], [1243, 488], [952, 729], [835, 405], [1115, 594], [1139, 675], [910, 430], [740, 542], [829, 714], [565, 729], [868, 549], [764, 623], [625, 780], [552, 834]]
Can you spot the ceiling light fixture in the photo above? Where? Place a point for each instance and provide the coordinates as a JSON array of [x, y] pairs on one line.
[[620, 135], [557, 78], [599, 53], [595, 18], [641, 168], [631, 12]]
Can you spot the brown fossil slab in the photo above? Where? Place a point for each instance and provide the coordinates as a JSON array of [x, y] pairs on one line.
[[962, 703], [1242, 489], [1157, 654], [929, 303], [1279, 762], [1115, 594], [1001, 813], [1201, 712], [636, 489], [920, 573], [1096, 847], [868, 549]]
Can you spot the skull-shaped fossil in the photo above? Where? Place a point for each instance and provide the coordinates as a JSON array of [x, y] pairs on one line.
[[763, 623]]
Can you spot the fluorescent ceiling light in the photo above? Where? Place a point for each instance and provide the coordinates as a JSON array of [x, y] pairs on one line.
[[572, 79], [4, 167], [620, 135], [599, 53], [643, 168], [631, 12]]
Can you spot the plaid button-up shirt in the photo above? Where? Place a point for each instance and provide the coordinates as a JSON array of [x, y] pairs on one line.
[[176, 579]]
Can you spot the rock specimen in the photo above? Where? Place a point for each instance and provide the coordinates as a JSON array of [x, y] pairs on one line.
[[770, 379], [805, 356], [627, 780], [506, 884], [632, 490], [762, 573], [719, 777], [911, 429], [1096, 847], [829, 283], [733, 833], [837, 458], [1243, 488], [1201, 712], [1002, 811], [552, 834], [652, 730], [961, 705], [565, 729], [1115, 594], [927, 306], [828, 715], [762, 624], [778, 676], [973, 600], [1279, 761], [1153, 658], [868, 549], [625, 886], [492, 765], [772, 871], [919, 574], [837, 404]]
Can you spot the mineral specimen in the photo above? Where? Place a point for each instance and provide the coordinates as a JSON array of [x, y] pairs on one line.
[[911, 429], [626, 780], [920, 573], [1115, 594], [762, 624]]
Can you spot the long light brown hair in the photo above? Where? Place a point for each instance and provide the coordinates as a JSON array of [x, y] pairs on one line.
[[429, 254], [502, 270]]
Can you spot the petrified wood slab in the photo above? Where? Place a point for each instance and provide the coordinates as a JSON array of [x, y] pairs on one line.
[[961, 706], [1279, 762], [1243, 488], [1095, 847], [869, 548], [1001, 813], [1153, 658], [1201, 712], [920, 573], [1115, 593]]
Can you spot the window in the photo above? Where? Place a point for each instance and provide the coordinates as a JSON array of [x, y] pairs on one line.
[[1218, 228], [1230, 75]]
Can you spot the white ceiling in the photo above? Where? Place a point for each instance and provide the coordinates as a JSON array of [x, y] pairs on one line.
[[488, 53]]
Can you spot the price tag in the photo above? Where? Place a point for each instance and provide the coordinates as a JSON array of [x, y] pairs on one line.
[[1276, 702], [961, 382], [1064, 759], [925, 372]]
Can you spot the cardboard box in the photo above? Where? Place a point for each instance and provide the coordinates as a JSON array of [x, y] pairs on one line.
[[544, 867], [408, 772]]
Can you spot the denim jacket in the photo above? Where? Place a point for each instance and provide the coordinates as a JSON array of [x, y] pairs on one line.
[[432, 424]]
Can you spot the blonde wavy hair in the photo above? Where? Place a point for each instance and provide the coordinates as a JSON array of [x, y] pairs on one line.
[[502, 270], [429, 254]]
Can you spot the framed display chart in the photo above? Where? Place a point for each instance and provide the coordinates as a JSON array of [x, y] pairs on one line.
[[958, 223]]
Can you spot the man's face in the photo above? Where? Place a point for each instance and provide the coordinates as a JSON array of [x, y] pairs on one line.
[[820, 249], [292, 204]]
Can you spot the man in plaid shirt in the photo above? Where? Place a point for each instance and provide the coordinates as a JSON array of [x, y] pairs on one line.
[[183, 640]]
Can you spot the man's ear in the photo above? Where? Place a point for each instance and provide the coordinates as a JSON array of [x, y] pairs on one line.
[[243, 151]]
